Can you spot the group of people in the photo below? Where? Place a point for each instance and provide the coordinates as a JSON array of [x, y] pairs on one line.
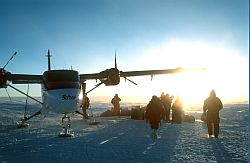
[[158, 109], [166, 101], [177, 108]]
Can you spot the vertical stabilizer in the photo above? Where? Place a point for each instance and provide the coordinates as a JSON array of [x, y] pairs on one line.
[[49, 67]]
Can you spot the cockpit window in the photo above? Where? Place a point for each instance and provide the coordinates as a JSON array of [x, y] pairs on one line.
[[61, 75], [59, 79]]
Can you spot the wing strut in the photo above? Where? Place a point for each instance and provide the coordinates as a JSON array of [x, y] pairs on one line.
[[26, 103], [27, 118], [8, 93], [25, 94], [97, 85], [23, 124], [130, 80]]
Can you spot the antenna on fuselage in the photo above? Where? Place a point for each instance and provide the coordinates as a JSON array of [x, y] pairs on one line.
[[49, 67]]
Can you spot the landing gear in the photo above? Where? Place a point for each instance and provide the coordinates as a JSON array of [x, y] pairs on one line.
[[66, 131], [23, 124]]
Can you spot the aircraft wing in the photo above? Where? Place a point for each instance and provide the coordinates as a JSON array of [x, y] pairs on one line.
[[151, 72], [37, 79], [131, 73], [108, 72], [90, 76], [25, 79]]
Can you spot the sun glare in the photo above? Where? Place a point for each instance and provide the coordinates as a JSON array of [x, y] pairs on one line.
[[226, 72]]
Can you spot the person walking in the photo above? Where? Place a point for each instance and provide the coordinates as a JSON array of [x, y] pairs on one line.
[[153, 115], [211, 108]]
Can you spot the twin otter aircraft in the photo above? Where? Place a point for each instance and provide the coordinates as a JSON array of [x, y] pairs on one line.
[[63, 90]]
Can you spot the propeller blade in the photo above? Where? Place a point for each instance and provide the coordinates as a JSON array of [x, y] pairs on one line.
[[10, 59], [130, 81], [49, 66], [115, 60]]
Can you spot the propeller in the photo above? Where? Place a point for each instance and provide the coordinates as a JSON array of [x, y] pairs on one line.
[[110, 77], [5, 75], [120, 71], [49, 66]]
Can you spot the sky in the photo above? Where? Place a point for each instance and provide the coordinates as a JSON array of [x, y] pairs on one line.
[[146, 34]]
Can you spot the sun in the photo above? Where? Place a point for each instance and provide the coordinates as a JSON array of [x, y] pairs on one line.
[[192, 87]]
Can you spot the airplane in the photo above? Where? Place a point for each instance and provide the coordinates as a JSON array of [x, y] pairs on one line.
[[63, 91]]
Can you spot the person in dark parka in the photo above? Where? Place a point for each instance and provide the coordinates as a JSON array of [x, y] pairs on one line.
[[154, 114], [211, 108], [116, 103]]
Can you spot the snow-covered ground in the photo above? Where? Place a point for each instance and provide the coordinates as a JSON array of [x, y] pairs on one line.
[[121, 139]]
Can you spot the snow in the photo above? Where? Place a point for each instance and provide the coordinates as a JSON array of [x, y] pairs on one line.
[[121, 139]]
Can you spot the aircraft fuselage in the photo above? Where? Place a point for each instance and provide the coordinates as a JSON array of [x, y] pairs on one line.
[[61, 91]]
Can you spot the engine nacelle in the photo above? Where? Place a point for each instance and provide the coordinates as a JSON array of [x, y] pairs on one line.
[[110, 76], [4, 76]]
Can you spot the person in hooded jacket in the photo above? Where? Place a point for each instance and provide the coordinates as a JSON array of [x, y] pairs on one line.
[[211, 108]]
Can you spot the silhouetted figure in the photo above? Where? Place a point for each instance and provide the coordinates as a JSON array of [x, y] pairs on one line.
[[169, 100], [212, 106], [166, 100], [116, 103], [154, 112], [163, 100], [177, 111], [85, 106]]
